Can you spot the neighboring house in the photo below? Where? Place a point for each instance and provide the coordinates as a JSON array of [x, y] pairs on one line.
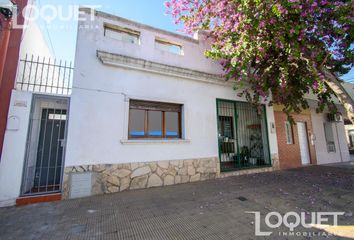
[[329, 137], [10, 39], [316, 138], [349, 131], [295, 142], [32, 71], [15, 44], [349, 127], [146, 109]]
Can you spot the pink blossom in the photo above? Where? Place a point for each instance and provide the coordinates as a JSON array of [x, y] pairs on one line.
[[262, 24], [167, 4], [315, 85]]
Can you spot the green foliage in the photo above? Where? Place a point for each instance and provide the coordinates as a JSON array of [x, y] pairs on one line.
[[277, 47]]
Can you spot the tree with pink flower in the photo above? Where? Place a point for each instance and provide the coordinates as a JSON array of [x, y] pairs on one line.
[[277, 49]]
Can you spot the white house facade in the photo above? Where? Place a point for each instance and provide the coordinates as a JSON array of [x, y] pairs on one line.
[[329, 139], [145, 109]]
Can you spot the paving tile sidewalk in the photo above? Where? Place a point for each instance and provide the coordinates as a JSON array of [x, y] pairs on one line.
[[349, 165], [205, 210]]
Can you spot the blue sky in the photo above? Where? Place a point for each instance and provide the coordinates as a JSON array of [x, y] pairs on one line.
[[61, 36]]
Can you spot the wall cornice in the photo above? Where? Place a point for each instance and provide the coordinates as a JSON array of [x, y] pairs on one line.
[[117, 60]]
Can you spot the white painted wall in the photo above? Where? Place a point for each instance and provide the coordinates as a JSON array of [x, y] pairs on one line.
[[33, 41], [98, 124], [323, 156], [92, 33], [14, 148]]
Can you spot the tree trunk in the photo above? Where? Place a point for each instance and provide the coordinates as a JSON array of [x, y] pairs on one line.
[[334, 83]]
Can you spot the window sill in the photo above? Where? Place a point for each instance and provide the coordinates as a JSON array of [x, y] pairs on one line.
[[154, 141]]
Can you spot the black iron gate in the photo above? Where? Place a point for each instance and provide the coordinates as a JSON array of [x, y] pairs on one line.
[[44, 161]]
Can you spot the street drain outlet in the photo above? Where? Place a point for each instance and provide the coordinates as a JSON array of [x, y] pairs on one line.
[[242, 199]]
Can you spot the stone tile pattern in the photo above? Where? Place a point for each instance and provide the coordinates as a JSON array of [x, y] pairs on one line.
[[110, 178]]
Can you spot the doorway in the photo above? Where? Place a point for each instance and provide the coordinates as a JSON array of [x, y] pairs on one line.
[[45, 146], [303, 143], [242, 136]]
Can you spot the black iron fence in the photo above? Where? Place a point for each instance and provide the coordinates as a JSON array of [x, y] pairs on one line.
[[44, 75]]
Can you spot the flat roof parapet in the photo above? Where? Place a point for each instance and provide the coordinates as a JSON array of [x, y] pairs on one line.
[[97, 13]]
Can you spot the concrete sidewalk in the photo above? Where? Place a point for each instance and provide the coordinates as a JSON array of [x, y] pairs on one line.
[[205, 210], [349, 165]]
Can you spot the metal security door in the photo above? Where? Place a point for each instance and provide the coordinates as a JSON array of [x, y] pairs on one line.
[[242, 135], [45, 146], [50, 149], [227, 135]]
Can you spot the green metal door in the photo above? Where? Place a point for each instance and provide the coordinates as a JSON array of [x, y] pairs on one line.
[[227, 135], [242, 135]]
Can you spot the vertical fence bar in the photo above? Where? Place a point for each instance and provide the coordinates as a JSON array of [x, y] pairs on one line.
[[53, 74], [29, 76], [69, 79], [35, 75], [63, 82], [24, 72], [58, 82], [46, 80], [40, 82]]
